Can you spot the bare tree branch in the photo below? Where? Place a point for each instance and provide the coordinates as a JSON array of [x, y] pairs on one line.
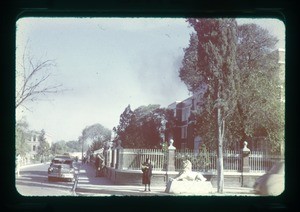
[[33, 80]]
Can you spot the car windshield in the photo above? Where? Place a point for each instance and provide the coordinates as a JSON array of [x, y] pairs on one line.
[[68, 162], [61, 166], [57, 161], [62, 161]]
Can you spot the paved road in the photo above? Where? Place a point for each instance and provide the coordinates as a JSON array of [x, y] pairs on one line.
[[33, 181]]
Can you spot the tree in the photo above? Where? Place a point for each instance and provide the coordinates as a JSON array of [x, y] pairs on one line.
[[32, 78], [73, 146], [259, 100], [22, 133], [95, 133], [216, 68], [254, 43], [124, 122], [62, 147], [189, 71], [58, 148], [248, 98], [145, 127], [44, 147], [259, 111]]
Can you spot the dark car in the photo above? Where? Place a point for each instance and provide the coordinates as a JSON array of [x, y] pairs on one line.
[[61, 168], [271, 183]]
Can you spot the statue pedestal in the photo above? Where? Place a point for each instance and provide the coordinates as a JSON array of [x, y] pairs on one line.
[[189, 187]]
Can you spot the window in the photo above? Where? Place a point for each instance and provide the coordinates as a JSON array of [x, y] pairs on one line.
[[184, 132], [185, 113]]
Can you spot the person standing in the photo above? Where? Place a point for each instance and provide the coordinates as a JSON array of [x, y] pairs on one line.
[[97, 164], [147, 173]]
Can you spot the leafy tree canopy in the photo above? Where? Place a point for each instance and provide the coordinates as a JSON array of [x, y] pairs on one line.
[[95, 133], [251, 90], [144, 127]]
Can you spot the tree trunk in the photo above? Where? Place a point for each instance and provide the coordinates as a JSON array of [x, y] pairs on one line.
[[221, 127]]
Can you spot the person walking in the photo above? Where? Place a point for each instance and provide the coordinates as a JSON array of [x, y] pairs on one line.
[[147, 173]]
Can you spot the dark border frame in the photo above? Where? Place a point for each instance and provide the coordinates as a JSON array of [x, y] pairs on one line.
[[11, 11]]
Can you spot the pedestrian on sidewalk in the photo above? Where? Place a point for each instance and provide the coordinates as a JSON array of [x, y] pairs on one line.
[[99, 165], [147, 173]]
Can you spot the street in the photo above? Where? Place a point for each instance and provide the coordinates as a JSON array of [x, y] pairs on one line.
[[33, 181]]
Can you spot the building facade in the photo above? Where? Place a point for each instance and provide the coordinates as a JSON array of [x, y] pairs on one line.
[[34, 143], [184, 136]]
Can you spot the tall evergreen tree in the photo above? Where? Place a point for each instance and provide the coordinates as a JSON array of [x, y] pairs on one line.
[[189, 71], [217, 68]]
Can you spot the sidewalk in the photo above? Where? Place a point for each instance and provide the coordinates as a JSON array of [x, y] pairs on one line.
[[89, 185]]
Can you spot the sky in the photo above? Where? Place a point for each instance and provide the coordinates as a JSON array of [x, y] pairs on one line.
[[105, 64]]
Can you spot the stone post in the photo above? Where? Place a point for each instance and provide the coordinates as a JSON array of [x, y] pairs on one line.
[[171, 156], [108, 153], [105, 157], [119, 158], [113, 157], [246, 153]]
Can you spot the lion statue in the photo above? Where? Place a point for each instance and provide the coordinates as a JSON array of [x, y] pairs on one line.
[[187, 174]]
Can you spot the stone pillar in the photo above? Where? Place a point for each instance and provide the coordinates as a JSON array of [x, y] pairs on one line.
[[246, 153], [119, 158], [105, 157], [108, 154], [113, 157], [171, 156]]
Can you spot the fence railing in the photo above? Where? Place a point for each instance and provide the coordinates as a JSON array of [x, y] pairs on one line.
[[202, 161], [207, 161], [260, 161], [232, 160], [133, 158]]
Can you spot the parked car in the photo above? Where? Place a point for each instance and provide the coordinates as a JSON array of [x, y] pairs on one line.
[[271, 183], [61, 168]]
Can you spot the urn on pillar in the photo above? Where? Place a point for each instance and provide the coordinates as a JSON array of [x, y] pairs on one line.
[[246, 153], [171, 156]]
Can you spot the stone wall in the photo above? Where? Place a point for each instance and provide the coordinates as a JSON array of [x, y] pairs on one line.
[[160, 178], [134, 177]]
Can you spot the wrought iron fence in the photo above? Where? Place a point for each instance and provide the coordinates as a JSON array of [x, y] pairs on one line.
[[232, 160], [204, 161], [261, 161], [133, 158]]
